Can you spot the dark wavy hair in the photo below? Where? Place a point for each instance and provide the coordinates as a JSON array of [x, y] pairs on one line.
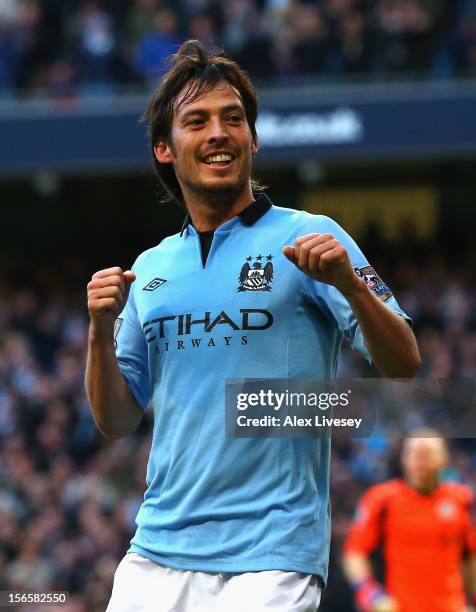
[[194, 71]]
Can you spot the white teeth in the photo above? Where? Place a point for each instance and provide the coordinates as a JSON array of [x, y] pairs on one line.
[[218, 158]]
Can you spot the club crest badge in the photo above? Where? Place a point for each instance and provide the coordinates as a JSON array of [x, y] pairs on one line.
[[446, 510], [254, 276]]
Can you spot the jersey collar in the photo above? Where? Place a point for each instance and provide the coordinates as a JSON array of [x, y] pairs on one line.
[[250, 215]]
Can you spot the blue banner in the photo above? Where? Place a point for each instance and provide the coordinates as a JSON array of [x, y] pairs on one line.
[[398, 121]]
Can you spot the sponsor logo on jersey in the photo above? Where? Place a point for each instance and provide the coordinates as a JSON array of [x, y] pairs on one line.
[[374, 282], [254, 276], [154, 284], [184, 331], [255, 319]]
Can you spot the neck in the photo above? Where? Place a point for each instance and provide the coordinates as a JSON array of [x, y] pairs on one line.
[[424, 487], [212, 210]]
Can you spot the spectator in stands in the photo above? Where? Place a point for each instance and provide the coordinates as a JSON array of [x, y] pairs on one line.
[[254, 53], [140, 21], [464, 39], [353, 50], [7, 56], [154, 47], [404, 36], [94, 47], [310, 40], [240, 17], [202, 26], [23, 44]]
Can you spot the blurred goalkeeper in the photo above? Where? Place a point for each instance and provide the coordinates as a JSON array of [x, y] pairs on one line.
[[425, 529]]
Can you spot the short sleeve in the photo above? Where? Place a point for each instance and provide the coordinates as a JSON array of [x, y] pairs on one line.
[[331, 299], [132, 351], [366, 529]]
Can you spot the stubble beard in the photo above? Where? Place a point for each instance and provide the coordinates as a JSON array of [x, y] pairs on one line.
[[217, 192]]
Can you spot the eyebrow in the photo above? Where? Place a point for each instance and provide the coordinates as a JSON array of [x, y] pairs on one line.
[[202, 111]]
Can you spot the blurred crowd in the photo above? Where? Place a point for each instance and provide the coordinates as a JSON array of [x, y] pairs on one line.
[[67, 49], [68, 498]]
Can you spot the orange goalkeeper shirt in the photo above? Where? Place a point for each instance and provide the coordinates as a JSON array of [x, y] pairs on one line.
[[424, 538]]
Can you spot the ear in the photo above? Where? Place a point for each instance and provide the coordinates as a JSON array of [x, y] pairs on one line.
[[254, 147], [163, 153]]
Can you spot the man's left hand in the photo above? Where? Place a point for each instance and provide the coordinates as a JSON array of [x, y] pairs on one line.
[[324, 259]]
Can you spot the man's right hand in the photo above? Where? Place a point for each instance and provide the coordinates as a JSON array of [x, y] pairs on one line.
[[107, 294], [115, 410]]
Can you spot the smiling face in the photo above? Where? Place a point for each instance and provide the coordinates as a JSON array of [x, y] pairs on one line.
[[211, 145]]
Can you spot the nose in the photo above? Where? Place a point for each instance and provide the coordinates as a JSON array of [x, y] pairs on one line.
[[217, 131]]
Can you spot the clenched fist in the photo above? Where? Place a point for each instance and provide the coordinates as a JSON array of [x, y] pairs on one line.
[[107, 295], [324, 259]]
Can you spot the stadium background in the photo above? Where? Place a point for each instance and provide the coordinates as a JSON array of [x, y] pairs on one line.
[[367, 115]]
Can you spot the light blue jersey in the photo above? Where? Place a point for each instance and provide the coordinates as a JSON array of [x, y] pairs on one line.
[[231, 504]]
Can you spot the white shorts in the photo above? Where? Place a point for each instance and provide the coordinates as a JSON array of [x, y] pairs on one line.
[[140, 585]]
